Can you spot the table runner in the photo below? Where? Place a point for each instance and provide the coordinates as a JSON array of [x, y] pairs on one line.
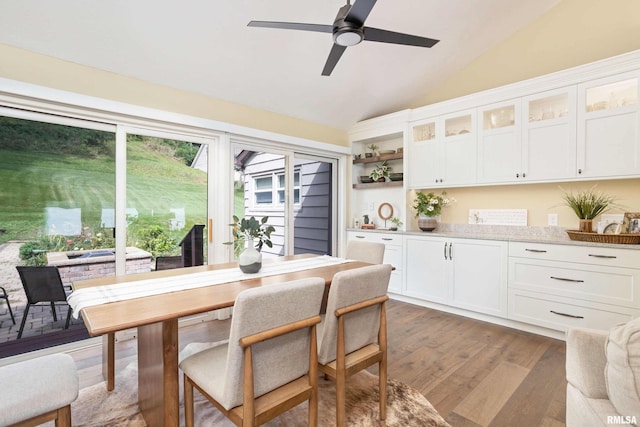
[[97, 295]]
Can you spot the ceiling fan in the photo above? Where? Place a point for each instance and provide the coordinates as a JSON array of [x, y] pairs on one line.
[[348, 30]]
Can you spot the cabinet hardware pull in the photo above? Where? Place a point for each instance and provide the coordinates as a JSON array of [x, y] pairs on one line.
[[573, 316], [450, 255], [445, 250], [517, 175], [387, 238], [579, 171], [567, 280], [538, 251], [359, 237], [524, 175], [603, 256]]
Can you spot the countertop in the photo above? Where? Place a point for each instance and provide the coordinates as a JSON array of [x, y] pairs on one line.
[[547, 235]]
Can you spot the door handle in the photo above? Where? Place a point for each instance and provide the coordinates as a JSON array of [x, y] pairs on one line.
[[538, 251], [445, 250], [450, 255]]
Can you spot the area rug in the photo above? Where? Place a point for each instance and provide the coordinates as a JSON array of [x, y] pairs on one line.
[[406, 407]]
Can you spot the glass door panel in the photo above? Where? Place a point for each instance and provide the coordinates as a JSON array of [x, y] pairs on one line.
[[167, 200]]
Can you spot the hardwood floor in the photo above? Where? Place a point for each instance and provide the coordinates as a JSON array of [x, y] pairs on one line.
[[474, 373]]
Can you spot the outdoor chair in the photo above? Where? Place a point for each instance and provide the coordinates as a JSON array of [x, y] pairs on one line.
[[6, 297], [168, 262], [353, 333], [42, 285], [269, 365], [371, 252]]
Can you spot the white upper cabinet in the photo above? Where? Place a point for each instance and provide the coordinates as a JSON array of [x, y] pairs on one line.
[[442, 151], [608, 127], [549, 135], [499, 143]]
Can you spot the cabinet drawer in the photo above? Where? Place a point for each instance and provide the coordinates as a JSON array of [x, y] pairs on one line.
[[387, 239], [561, 313], [609, 285], [595, 255]]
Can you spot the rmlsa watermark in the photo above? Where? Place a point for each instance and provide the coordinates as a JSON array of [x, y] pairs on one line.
[[622, 419]]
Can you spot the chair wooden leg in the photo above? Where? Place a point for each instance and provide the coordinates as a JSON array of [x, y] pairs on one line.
[[382, 371], [63, 418], [188, 402], [341, 396]]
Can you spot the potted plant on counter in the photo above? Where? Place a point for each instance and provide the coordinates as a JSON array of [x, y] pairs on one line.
[[587, 205], [428, 208], [245, 233]]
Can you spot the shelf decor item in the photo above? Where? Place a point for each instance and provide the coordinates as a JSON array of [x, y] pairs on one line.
[[587, 205], [245, 233], [381, 172], [428, 208]]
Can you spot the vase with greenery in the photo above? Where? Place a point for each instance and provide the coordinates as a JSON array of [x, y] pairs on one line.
[[428, 208], [373, 148], [380, 172], [396, 223], [249, 236], [587, 205]]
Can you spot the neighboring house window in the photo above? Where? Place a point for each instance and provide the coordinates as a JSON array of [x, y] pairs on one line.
[[269, 190]]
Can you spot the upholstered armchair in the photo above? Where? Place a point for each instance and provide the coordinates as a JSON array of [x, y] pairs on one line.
[[603, 376]]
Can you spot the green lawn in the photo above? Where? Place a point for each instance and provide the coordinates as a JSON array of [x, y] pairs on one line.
[[32, 181]]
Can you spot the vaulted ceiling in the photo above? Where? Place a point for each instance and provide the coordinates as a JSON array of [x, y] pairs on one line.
[[206, 47]]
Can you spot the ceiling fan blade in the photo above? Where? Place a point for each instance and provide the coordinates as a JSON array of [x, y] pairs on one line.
[[332, 60], [384, 36], [319, 28], [359, 12]]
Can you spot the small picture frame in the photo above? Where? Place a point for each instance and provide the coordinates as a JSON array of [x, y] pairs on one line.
[[631, 223]]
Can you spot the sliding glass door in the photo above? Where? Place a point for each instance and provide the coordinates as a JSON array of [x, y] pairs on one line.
[[166, 199], [296, 193]]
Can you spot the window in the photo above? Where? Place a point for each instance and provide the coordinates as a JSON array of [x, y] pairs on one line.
[[269, 189]]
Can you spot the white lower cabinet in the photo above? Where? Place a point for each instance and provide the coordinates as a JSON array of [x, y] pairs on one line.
[[464, 273], [561, 286], [393, 253]]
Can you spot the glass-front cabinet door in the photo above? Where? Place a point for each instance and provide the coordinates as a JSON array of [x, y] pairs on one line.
[[549, 135], [458, 161], [499, 143], [609, 127], [423, 153]]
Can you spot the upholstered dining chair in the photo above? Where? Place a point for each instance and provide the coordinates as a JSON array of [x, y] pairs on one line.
[[5, 296], [269, 364], [42, 285], [353, 334], [371, 252]]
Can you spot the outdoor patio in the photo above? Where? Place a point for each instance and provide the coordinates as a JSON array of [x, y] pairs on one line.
[[40, 320]]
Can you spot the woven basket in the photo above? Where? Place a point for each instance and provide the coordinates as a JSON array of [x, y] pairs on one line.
[[619, 239]]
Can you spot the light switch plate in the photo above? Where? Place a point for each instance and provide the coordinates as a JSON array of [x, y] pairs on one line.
[[552, 219]]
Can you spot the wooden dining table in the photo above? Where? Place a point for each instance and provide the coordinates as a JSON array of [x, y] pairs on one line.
[[156, 319]]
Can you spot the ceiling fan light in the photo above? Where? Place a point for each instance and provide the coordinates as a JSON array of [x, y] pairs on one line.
[[347, 37]]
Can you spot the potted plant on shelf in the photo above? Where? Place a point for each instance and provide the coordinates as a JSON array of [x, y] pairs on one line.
[[373, 148], [396, 223], [587, 205], [245, 233], [428, 208], [381, 172]]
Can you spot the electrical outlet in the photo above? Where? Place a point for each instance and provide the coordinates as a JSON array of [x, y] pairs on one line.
[[552, 219]]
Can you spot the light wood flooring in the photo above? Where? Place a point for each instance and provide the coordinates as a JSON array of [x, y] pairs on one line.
[[474, 373]]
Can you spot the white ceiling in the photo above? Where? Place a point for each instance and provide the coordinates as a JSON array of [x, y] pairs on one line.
[[205, 46]]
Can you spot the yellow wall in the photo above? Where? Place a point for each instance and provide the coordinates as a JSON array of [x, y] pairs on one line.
[[574, 32], [539, 200], [21, 65]]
